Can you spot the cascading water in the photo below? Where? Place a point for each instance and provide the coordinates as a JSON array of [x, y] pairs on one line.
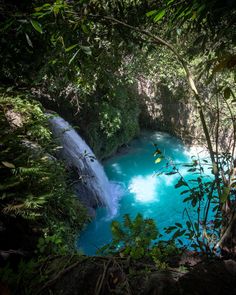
[[77, 154], [154, 196]]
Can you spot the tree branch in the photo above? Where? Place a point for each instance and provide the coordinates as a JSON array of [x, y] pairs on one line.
[[189, 75]]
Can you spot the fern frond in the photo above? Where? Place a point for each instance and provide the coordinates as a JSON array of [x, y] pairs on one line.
[[7, 186], [13, 208]]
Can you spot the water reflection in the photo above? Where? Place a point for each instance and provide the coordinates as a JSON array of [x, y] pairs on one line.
[[144, 188]]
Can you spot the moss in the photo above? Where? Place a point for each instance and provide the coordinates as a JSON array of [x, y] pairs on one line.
[[115, 121]]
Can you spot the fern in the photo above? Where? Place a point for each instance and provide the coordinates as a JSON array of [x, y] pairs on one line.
[[33, 187]]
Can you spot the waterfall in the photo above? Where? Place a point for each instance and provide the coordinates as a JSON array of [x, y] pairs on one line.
[[92, 180]]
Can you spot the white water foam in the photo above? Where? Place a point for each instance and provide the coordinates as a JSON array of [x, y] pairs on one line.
[[78, 154]]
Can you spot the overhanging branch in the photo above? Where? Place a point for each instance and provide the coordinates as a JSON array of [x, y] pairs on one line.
[[189, 76]]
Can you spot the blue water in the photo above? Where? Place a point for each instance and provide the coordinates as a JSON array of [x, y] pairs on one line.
[[145, 192]]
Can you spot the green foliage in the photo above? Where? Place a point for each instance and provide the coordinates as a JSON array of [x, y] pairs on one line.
[[137, 238], [78, 61], [203, 202], [133, 237], [74, 73], [110, 120], [20, 279], [32, 274], [115, 118], [33, 184], [54, 243]]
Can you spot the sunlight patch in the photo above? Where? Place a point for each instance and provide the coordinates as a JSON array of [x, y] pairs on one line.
[[144, 188], [168, 180], [117, 168]]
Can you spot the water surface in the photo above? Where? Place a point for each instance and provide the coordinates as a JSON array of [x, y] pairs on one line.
[[145, 192]]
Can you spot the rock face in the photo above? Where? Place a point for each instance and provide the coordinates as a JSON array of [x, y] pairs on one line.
[[145, 104], [105, 122], [162, 111], [177, 114], [97, 275], [214, 278]]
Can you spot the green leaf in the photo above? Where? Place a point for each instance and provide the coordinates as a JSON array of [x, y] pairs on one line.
[[194, 202], [74, 56], [188, 224], [171, 173], [85, 29], [188, 165], [37, 26], [187, 199], [160, 15], [127, 221], [158, 160], [137, 253], [71, 47], [192, 170], [178, 224], [86, 49], [196, 225], [225, 194], [46, 5], [169, 229], [150, 13], [184, 192], [171, 1], [178, 233], [180, 183], [227, 93], [181, 243], [202, 7], [7, 25]]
